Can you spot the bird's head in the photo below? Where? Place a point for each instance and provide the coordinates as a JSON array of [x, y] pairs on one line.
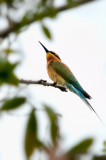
[[50, 55]]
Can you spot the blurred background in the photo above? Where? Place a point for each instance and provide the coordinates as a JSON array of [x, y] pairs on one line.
[[40, 122]]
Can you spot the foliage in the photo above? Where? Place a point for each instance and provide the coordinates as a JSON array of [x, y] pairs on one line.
[[35, 11], [46, 31], [31, 138], [33, 142], [32, 12], [12, 103], [7, 72]]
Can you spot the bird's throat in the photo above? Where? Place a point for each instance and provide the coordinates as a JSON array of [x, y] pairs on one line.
[[51, 57]]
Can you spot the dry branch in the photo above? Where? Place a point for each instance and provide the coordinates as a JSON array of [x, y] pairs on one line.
[[44, 83]]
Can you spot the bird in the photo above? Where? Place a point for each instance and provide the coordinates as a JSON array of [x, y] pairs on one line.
[[61, 74]]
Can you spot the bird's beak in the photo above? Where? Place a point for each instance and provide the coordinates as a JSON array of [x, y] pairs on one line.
[[46, 50]]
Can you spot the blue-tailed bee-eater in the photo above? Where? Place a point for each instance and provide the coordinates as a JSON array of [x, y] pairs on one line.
[[62, 75]]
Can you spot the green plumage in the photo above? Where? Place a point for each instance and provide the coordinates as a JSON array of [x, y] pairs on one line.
[[66, 73]]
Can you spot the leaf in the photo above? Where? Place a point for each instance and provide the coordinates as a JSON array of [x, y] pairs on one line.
[[8, 51], [104, 149], [13, 103], [7, 73], [103, 157], [46, 31], [52, 12], [104, 143], [82, 147], [54, 129], [12, 80], [70, 2], [31, 134]]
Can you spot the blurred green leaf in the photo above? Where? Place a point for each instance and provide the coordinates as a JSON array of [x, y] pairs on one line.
[[6, 1], [82, 147], [42, 3], [104, 143], [69, 2], [46, 31], [103, 157], [7, 73], [13, 103], [31, 134], [54, 129], [104, 149], [8, 51], [52, 12]]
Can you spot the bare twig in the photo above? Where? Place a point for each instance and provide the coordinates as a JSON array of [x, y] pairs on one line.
[[44, 83], [14, 26]]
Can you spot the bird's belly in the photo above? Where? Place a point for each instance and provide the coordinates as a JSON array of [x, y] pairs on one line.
[[55, 76]]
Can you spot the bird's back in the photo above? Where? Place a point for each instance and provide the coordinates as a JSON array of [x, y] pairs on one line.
[[62, 71]]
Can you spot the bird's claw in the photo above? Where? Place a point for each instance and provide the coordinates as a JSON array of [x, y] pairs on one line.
[[54, 83]]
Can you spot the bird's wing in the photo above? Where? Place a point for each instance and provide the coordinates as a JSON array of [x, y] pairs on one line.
[[66, 73]]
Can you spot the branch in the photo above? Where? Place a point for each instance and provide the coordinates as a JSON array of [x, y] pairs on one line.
[[14, 26], [74, 5], [44, 83]]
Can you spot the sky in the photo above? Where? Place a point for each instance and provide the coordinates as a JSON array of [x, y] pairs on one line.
[[79, 38]]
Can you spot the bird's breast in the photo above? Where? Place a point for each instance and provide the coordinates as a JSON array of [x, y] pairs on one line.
[[54, 76]]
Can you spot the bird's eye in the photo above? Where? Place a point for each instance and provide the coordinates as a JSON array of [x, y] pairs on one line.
[[55, 54]]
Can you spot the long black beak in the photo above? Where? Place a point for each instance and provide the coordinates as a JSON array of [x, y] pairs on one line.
[[46, 50]]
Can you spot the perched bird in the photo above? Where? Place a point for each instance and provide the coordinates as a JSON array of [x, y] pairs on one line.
[[62, 75]]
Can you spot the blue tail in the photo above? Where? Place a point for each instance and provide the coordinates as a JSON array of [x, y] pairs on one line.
[[80, 94]]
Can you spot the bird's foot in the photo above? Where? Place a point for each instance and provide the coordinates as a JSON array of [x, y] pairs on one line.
[[54, 83]]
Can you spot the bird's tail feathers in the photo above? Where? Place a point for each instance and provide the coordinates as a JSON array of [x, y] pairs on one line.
[[80, 94]]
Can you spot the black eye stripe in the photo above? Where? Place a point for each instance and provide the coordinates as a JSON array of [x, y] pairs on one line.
[[55, 54]]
